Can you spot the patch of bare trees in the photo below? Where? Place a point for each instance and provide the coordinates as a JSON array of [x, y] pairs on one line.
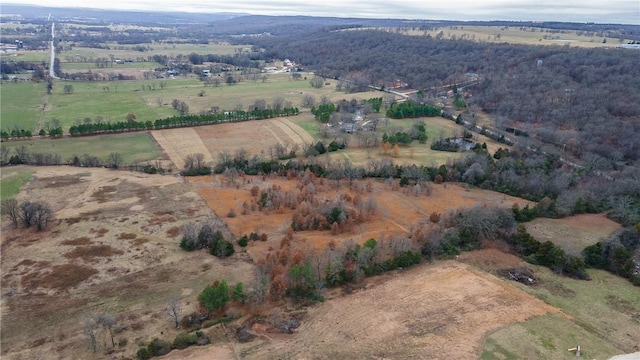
[[28, 213]]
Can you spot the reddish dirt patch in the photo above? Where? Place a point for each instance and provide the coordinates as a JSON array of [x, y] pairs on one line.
[[174, 232], [62, 181], [78, 241], [89, 253], [490, 260], [139, 241], [100, 232], [104, 194], [66, 276], [127, 236]]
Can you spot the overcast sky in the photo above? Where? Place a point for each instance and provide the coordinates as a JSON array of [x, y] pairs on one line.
[[600, 11]]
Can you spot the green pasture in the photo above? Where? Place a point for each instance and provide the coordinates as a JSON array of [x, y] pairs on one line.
[[27, 55], [12, 180], [116, 68], [134, 147], [603, 318], [114, 100], [21, 104], [170, 50], [248, 91]]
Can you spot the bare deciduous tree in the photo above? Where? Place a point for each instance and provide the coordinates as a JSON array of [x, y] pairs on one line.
[[173, 307], [231, 174], [11, 210], [308, 101], [89, 330], [42, 216], [114, 160], [194, 161], [107, 321]]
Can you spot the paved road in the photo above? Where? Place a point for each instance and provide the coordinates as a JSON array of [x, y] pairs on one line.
[[53, 52]]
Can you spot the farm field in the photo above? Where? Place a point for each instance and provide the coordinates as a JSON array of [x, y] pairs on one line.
[[601, 314], [26, 55], [22, 104], [134, 147], [147, 99], [440, 311], [170, 50]]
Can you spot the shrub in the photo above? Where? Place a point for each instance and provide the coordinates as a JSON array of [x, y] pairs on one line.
[[222, 248], [215, 297], [370, 244], [184, 340], [123, 342], [243, 241], [238, 293], [143, 354], [158, 347]]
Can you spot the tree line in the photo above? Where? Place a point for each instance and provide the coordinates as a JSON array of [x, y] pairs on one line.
[[179, 121]]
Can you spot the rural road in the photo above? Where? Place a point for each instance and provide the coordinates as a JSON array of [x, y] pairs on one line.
[[53, 52]]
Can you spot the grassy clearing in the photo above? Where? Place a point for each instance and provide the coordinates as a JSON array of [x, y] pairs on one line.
[[516, 35], [12, 181], [21, 104], [573, 233], [135, 147], [605, 317]]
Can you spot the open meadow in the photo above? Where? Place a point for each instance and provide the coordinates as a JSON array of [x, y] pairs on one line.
[[521, 35], [573, 233]]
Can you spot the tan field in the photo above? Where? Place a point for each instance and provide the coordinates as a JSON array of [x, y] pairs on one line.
[[573, 233]]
